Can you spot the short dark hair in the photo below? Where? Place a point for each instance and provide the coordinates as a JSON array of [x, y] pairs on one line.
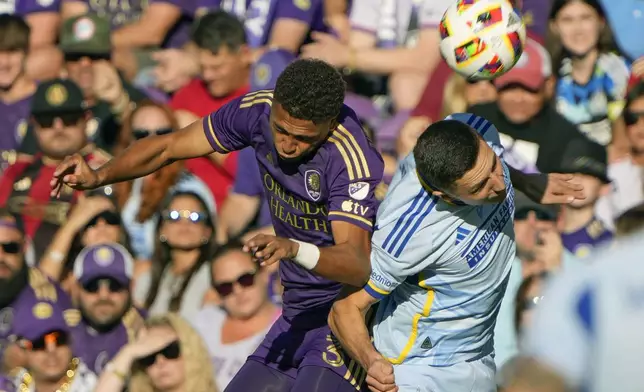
[[6, 214], [219, 29], [14, 33], [310, 90], [445, 152]]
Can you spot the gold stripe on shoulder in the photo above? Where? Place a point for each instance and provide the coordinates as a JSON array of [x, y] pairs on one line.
[[257, 93], [257, 101], [352, 152], [211, 129], [356, 146], [345, 156]]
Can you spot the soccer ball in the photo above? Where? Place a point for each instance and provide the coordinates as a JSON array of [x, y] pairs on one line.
[[481, 39]]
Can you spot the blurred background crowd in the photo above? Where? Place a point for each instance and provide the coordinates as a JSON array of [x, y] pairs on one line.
[[151, 272]]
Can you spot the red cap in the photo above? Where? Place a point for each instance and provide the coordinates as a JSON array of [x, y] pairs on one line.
[[532, 69]]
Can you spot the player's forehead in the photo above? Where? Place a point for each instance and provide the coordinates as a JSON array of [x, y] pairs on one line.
[[282, 120], [483, 167]]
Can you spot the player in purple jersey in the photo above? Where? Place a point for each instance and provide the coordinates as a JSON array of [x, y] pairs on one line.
[[319, 171]]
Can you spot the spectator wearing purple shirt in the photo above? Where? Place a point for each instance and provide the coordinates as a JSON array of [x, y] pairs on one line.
[[16, 88], [109, 321]]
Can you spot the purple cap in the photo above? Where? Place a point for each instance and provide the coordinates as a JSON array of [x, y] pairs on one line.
[[104, 261], [36, 317], [6, 384], [268, 67]]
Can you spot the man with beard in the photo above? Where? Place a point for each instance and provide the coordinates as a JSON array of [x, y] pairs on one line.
[[16, 89], [19, 284], [109, 321], [59, 116], [43, 332]]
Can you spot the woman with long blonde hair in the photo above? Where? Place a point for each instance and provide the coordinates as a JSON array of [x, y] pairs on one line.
[[168, 355]]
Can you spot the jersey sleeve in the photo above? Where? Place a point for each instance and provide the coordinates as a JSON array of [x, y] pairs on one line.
[[486, 129], [365, 15], [248, 181], [231, 127], [403, 243], [354, 172], [303, 11]]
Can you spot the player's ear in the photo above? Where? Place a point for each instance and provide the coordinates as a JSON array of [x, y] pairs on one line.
[[333, 124]]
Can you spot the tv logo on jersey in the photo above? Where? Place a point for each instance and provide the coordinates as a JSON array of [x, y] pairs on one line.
[[354, 208]]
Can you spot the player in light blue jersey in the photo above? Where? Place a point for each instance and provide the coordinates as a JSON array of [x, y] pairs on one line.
[[441, 256]]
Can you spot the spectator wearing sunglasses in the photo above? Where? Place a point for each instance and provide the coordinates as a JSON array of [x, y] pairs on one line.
[[85, 43], [233, 330], [180, 275], [59, 116], [582, 230], [16, 88], [43, 330], [109, 319], [140, 200], [20, 284], [168, 355]]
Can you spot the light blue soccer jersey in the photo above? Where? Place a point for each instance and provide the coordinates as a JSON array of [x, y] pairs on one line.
[[440, 269]]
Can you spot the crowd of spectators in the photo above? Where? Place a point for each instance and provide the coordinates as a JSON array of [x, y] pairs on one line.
[[149, 275]]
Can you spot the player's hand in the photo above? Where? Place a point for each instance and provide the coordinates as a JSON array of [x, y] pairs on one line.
[[74, 172], [328, 48], [562, 189], [269, 249], [380, 376]]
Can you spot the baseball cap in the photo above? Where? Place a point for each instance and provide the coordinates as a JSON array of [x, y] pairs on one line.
[[268, 67], [104, 261], [37, 317], [586, 157], [523, 204], [86, 34], [57, 96], [531, 70]]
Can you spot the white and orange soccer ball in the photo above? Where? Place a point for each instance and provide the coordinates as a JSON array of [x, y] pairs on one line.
[[481, 39]]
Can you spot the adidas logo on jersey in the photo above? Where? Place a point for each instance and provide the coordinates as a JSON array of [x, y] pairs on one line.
[[461, 234]]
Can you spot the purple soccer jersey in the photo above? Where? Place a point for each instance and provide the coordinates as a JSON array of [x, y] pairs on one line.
[[248, 181], [26, 7], [13, 124], [260, 15], [119, 12], [336, 184], [39, 288], [581, 242], [97, 348]]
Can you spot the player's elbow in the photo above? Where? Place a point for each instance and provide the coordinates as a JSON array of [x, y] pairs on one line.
[[335, 314]]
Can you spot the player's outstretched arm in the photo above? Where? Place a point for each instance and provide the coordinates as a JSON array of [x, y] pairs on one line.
[[346, 262], [347, 321], [141, 158], [553, 188]]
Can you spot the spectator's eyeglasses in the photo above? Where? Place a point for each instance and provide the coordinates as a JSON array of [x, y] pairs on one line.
[[74, 57], [110, 217], [177, 215], [531, 303], [171, 351], [224, 289], [68, 119], [143, 133], [57, 338], [93, 286], [522, 214], [631, 118], [11, 247]]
